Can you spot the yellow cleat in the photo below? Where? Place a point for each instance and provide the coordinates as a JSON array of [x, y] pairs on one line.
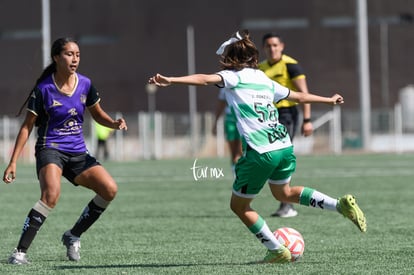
[[348, 207], [279, 256]]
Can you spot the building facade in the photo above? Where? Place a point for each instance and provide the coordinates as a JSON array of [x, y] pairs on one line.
[[124, 42]]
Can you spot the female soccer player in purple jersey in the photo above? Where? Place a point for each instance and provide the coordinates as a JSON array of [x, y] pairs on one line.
[[56, 106]]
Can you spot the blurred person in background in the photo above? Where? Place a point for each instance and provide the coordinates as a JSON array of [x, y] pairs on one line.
[[287, 72], [102, 135], [230, 129]]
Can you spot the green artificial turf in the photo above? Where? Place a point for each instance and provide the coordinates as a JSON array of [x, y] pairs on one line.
[[165, 220]]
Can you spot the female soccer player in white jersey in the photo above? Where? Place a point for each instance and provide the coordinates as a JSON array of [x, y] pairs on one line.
[[56, 107], [268, 155]]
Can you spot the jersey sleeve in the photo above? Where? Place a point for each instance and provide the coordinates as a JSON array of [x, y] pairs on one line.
[[93, 96], [295, 70], [280, 92], [35, 103], [222, 95], [230, 78]]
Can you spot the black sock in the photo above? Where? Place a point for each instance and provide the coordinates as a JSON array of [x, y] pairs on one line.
[[31, 226], [89, 215]]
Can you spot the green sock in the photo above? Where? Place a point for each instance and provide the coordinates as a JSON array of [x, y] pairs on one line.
[[306, 196], [316, 199], [264, 234]]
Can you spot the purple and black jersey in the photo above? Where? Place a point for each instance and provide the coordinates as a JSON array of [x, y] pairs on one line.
[[60, 116]]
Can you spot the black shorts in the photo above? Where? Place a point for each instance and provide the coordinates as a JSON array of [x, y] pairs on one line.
[[71, 164]]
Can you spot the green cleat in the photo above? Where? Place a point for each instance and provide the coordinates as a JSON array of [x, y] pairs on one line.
[[280, 256], [348, 207]]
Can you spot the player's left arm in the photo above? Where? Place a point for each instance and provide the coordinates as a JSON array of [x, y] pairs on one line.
[[100, 116]]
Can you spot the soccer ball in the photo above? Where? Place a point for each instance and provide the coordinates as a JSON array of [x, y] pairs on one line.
[[293, 240]]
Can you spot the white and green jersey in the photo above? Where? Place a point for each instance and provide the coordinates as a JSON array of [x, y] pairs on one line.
[[250, 94]]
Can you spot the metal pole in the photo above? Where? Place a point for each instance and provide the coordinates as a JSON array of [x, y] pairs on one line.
[[158, 135], [151, 90], [363, 69], [192, 96], [336, 129], [384, 63], [46, 32], [143, 134], [398, 127]]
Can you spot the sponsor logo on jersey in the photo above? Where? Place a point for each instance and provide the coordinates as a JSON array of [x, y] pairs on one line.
[[83, 99], [56, 103]]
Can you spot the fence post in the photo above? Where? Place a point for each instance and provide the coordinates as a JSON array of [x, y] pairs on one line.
[[398, 128], [336, 130], [158, 144], [143, 134]]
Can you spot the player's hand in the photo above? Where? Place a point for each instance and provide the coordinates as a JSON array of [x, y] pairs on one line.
[[337, 99], [307, 129], [121, 124], [10, 173], [159, 80]]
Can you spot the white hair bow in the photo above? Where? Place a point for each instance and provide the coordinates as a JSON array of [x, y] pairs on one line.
[[236, 37]]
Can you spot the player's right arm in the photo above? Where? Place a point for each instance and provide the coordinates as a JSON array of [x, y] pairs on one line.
[[24, 133], [194, 79]]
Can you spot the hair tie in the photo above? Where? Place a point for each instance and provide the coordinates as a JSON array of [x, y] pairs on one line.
[[236, 37]]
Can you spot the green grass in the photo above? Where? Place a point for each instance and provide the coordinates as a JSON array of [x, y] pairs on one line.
[[163, 221]]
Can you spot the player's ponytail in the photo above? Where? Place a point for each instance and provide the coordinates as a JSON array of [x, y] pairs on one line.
[[241, 53], [57, 48], [46, 72]]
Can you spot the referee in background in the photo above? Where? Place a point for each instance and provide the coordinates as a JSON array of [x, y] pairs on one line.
[[286, 71]]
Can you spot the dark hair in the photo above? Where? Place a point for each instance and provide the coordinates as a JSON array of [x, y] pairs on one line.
[[56, 49], [271, 35], [240, 54]]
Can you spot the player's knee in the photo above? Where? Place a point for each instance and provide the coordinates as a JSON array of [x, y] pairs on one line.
[[238, 209], [234, 207], [50, 203], [110, 192], [281, 196], [50, 199]]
